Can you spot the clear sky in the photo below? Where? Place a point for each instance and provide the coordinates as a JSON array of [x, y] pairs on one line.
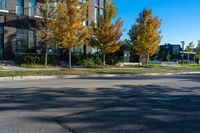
[[180, 18]]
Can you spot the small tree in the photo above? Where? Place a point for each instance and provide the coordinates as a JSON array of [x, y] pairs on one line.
[[145, 34], [106, 35], [197, 55], [68, 29], [189, 49], [47, 12], [168, 57]]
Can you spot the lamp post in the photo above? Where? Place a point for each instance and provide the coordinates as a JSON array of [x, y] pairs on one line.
[[183, 43]]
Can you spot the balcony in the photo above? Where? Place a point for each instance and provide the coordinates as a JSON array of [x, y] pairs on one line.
[[3, 10]]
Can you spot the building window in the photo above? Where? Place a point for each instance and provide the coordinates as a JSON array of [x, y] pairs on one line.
[[82, 1], [20, 7], [85, 23], [102, 3], [32, 7], [102, 12], [96, 13], [25, 41], [31, 40], [96, 2], [3, 4]]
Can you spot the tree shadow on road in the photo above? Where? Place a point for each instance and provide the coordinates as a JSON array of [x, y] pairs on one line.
[[189, 77], [127, 109]]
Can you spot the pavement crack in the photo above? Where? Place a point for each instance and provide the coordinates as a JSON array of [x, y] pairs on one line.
[[64, 125]]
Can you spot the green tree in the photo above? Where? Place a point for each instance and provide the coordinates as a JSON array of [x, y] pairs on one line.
[[189, 49], [106, 34], [47, 12], [68, 29], [145, 34], [168, 57], [197, 55]]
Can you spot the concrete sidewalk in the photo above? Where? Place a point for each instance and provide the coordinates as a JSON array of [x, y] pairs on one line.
[[93, 75]]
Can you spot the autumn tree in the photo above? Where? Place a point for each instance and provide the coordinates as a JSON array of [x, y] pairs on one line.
[[189, 49], [68, 29], [47, 12], [145, 34], [106, 34], [197, 55]]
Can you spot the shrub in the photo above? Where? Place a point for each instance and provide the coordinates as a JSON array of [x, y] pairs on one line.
[[112, 59], [32, 59], [98, 61], [89, 63], [184, 62], [88, 60], [39, 60]]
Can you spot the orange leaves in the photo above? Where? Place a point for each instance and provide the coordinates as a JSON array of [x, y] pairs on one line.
[[106, 34], [67, 27], [145, 34]]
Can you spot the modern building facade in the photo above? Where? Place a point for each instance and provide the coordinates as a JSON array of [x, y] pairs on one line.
[[171, 51], [18, 19]]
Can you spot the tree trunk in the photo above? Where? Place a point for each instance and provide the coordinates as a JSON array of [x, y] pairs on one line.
[[188, 58], [70, 58], [104, 59], [139, 60], [46, 56], [147, 63], [182, 58]]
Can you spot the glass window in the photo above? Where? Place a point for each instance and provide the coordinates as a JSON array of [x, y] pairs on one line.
[[32, 7], [20, 7], [21, 40], [78, 50], [96, 2], [102, 3], [102, 12], [82, 1], [85, 22], [2, 4], [31, 40], [25, 40], [96, 13]]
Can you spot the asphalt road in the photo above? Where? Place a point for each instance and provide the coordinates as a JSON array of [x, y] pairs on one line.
[[125, 104]]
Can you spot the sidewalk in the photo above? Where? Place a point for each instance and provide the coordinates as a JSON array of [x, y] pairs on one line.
[[15, 68], [93, 75]]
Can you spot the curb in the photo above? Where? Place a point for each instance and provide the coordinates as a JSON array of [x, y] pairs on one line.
[[90, 76]]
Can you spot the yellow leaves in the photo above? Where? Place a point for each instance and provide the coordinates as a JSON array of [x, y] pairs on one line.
[[106, 34], [145, 34], [67, 27]]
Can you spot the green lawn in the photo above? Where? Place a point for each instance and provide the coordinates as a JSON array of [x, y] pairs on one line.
[[37, 66], [189, 65], [114, 70]]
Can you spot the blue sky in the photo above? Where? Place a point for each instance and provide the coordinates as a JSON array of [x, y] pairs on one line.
[[180, 18]]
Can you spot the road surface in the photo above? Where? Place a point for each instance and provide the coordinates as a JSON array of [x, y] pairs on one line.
[[124, 104]]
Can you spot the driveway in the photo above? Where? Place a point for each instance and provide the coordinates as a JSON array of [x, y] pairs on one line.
[[125, 104]]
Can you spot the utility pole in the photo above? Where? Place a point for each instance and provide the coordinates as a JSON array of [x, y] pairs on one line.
[[183, 43]]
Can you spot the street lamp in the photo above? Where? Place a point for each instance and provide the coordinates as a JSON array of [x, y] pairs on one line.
[[183, 43]]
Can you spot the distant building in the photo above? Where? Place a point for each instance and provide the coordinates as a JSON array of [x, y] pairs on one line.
[[169, 52]]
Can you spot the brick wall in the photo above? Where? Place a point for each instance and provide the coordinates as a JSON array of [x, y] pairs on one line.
[[10, 5], [9, 36], [26, 7]]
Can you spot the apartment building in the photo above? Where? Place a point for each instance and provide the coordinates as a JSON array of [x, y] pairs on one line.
[[172, 50], [18, 19]]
